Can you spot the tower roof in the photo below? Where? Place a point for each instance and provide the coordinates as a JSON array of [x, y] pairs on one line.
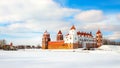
[[59, 32], [11, 44], [98, 31], [73, 27], [46, 32]]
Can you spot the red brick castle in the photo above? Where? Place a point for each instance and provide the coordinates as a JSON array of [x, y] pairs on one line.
[[72, 40]]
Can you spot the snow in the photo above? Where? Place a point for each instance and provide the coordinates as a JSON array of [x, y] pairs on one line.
[[103, 57]]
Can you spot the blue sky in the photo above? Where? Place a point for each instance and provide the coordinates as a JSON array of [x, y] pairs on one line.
[[105, 5], [24, 21]]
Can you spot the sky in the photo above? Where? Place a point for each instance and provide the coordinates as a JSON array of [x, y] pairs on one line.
[[23, 22]]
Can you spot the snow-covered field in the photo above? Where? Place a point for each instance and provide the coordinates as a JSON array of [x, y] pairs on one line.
[[104, 57]]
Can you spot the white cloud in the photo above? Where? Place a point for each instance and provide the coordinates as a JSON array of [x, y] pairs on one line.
[[25, 17], [118, 17], [28, 9], [114, 36], [90, 16]]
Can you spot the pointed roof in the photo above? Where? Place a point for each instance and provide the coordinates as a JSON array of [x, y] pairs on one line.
[[59, 32], [98, 31], [72, 28], [78, 33], [46, 32]]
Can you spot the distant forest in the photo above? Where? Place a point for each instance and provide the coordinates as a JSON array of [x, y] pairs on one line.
[[110, 42]]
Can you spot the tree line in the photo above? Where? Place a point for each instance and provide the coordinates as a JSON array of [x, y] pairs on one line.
[[110, 42]]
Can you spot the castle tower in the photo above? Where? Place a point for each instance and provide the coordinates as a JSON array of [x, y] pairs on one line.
[[99, 38], [45, 40], [59, 36], [71, 38], [11, 44]]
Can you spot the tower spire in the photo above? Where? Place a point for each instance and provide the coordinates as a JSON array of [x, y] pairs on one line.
[[59, 32], [98, 31], [59, 36], [73, 28]]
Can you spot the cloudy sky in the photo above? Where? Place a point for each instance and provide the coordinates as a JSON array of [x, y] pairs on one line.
[[24, 21]]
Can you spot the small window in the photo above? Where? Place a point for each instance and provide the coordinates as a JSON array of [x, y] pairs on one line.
[[75, 38], [96, 36], [67, 39]]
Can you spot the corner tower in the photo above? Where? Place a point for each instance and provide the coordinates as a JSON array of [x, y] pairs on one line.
[[59, 36], [45, 40], [99, 38]]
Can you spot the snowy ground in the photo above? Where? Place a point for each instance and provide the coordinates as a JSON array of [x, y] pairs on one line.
[[104, 57]]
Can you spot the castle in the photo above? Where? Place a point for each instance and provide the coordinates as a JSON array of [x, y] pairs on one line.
[[72, 40]]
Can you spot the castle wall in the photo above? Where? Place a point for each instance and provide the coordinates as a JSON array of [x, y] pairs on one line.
[[57, 45], [61, 45], [80, 45]]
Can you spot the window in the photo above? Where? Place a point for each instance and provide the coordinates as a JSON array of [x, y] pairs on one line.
[[75, 38], [80, 39], [67, 39], [96, 36], [97, 40]]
